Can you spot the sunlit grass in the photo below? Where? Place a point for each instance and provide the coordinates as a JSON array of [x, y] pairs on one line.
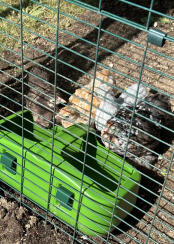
[[38, 19]]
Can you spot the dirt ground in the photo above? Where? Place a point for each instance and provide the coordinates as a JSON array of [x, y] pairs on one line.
[[19, 224]]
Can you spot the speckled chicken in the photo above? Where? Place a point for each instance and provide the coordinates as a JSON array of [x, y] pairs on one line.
[[144, 133], [40, 99], [111, 105]]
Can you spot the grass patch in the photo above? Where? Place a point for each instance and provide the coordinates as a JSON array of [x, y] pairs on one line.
[[39, 19]]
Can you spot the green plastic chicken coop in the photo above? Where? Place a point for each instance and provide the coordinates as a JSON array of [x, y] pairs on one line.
[[28, 152]]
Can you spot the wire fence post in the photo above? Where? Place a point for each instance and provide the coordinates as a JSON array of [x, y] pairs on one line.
[[22, 95]]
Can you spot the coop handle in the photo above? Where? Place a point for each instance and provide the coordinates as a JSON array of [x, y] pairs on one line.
[[9, 162]]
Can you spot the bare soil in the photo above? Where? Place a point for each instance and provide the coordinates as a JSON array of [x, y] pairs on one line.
[[19, 224]]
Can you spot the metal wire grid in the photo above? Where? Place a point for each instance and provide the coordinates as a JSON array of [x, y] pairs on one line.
[[102, 13]]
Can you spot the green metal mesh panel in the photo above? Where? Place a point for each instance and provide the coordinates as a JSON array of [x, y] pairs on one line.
[[67, 176]]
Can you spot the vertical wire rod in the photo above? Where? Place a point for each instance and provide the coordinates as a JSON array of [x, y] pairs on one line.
[[131, 124], [160, 197], [22, 68], [89, 121], [54, 111]]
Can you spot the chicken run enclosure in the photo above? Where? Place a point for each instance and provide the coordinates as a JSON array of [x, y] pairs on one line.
[[86, 121]]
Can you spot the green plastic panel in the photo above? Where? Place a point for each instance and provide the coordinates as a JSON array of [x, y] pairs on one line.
[[102, 173]]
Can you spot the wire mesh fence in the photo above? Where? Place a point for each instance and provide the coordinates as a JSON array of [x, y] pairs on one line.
[[87, 125]]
